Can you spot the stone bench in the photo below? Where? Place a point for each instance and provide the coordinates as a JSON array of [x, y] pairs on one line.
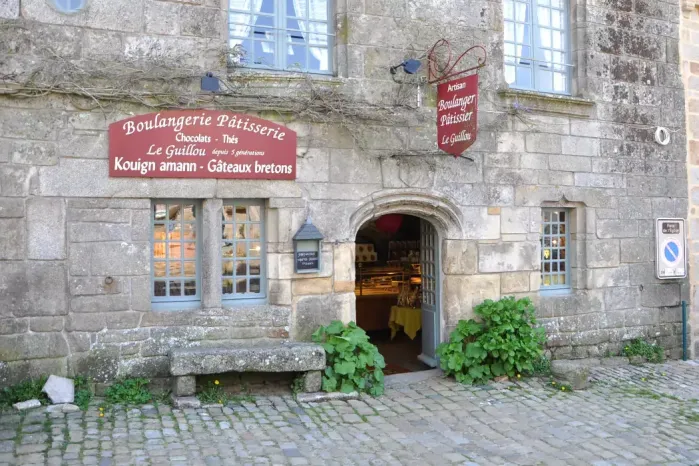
[[187, 363]]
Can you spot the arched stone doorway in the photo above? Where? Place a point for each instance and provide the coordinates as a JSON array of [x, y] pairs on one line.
[[431, 220]]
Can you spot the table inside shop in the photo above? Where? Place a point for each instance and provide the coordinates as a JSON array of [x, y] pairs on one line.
[[407, 318]]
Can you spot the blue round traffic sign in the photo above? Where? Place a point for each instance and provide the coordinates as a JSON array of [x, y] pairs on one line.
[[672, 251]]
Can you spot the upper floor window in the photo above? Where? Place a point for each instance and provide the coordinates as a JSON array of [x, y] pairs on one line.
[[175, 252], [69, 6], [291, 35], [555, 257], [536, 45], [243, 274]]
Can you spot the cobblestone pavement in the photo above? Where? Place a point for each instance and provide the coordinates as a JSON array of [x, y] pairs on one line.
[[631, 415]]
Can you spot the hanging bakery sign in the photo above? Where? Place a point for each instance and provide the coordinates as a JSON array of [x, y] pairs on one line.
[[201, 144], [457, 114], [457, 96]]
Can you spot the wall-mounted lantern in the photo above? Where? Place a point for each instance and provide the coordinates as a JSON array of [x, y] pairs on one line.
[[307, 248]]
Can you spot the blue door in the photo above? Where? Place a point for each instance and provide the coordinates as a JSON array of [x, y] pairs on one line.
[[429, 265]]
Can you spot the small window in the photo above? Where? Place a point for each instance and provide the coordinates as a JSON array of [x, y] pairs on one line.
[[536, 45], [555, 239], [175, 258], [243, 251], [69, 6], [293, 35]]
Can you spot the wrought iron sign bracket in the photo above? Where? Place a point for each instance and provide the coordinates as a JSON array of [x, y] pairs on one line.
[[437, 74]]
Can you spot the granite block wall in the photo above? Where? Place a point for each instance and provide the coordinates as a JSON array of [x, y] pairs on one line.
[[75, 244]]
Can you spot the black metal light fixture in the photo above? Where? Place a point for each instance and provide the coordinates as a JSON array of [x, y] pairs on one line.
[[409, 66], [210, 83]]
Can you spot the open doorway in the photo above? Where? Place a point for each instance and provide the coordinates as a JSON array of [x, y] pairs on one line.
[[397, 290]]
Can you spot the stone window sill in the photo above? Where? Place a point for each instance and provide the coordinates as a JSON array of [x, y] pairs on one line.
[[548, 103], [279, 76]]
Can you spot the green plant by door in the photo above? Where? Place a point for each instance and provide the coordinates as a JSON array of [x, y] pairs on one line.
[[353, 363], [506, 341]]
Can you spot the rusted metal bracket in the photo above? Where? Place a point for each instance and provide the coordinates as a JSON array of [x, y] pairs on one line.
[[437, 74]]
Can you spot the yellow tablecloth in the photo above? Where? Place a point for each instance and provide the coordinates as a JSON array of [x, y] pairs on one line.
[[407, 317]]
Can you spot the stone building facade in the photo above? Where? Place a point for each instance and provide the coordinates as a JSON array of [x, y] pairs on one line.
[[689, 53], [76, 245]]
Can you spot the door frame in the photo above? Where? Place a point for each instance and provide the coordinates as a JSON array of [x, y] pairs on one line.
[[444, 215]]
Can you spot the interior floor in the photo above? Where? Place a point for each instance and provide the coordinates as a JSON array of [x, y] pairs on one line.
[[400, 353]]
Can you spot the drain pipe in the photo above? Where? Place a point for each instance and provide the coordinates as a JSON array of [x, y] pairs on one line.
[[684, 330]]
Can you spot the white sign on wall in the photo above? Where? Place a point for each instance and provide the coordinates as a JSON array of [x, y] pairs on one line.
[[670, 248]]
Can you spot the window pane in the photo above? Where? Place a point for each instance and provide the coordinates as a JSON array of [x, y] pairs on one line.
[[159, 288], [255, 268], [190, 288], [175, 269], [255, 249], [175, 288], [159, 250], [227, 249], [508, 10], [227, 269], [159, 212], [543, 16], [255, 232], [241, 250], [190, 269], [254, 212], [228, 231], [159, 269], [509, 32], [190, 250], [318, 59], [296, 57], [241, 268], [522, 12], [241, 286], [240, 232], [255, 285], [510, 74], [159, 232], [318, 10], [241, 214], [227, 286]]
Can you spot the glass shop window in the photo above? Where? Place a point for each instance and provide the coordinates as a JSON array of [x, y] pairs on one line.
[[175, 262], [243, 251], [555, 244]]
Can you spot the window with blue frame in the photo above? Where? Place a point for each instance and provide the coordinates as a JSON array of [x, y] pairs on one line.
[[555, 244], [175, 253], [294, 35], [536, 45], [243, 252]]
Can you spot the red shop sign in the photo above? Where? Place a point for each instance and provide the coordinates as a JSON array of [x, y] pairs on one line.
[[201, 144], [457, 114]]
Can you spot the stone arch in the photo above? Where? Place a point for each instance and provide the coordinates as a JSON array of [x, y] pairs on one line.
[[442, 213]]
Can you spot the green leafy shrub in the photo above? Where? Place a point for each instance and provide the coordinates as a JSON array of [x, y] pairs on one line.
[[23, 391], [83, 392], [353, 363], [506, 342], [541, 366], [129, 392], [651, 352]]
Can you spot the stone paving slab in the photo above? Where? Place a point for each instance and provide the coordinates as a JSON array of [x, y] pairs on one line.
[[630, 416]]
